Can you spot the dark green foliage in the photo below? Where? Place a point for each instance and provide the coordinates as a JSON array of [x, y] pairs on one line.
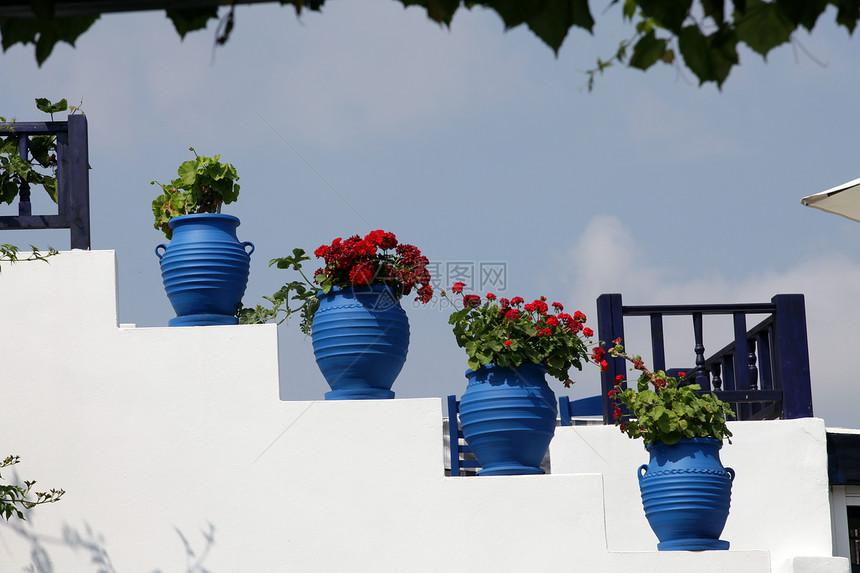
[[45, 32], [701, 31], [191, 19], [204, 183], [661, 408], [302, 293], [15, 169]]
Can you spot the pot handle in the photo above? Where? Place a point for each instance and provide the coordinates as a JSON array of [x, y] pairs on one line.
[[161, 246], [641, 471], [245, 244], [731, 473]]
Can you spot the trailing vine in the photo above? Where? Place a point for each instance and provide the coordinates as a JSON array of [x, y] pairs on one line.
[[13, 498]]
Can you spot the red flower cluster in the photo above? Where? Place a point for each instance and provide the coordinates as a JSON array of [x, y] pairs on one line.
[[598, 356], [471, 301], [488, 329], [368, 261]]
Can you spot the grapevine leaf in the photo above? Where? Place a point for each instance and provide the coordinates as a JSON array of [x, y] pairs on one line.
[[647, 51], [763, 26]]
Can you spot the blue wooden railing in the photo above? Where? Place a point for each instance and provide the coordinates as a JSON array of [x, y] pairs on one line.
[[763, 372], [73, 187]]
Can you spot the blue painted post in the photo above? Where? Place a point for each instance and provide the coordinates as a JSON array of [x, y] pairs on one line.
[[453, 435], [77, 173], [564, 410], [741, 365], [658, 347], [610, 325], [791, 355]]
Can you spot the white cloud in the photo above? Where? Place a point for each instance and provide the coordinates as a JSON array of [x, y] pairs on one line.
[[605, 259]]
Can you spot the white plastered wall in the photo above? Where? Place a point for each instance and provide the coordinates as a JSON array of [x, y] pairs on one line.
[[177, 455], [780, 497]]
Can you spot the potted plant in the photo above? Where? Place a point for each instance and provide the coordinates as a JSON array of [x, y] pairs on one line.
[[685, 489], [205, 267], [508, 412], [352, 310]]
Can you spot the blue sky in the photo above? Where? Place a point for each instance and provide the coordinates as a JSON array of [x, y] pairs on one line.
[[477, 145]]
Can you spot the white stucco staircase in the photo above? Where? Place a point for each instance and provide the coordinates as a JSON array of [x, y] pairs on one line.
[[176, 453]]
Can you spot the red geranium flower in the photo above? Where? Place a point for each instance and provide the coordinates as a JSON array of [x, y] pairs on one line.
[[458, 287], [471, 301], [491, 296], [587, 332], [360, 275]]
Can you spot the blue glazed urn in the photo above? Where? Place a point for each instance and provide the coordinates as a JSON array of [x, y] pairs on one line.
[[205, 269], [360, 338], [686, 493], [508, 418]]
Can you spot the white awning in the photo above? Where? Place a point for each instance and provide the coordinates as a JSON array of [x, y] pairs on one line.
[[842, 200]]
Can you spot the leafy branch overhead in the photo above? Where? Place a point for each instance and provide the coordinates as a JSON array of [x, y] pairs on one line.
[[702, 34]]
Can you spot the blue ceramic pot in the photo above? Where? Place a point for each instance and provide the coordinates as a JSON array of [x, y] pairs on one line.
[[360, 337], [686, 493], [205, 269], [508, 418]]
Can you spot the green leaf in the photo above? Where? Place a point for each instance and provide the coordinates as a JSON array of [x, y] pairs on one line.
[[554, 19], [670, 14], [647, 51], [630, 9], [18, 32], [763, 26], [44, 104], [437, 10], [715, 10], [709, 57], [803, 12], [847, 15], [8, 191], [54, 30], [50, 185], [190, 19]]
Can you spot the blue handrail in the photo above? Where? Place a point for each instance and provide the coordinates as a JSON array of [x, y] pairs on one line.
[[73, 186], [763, 372]]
